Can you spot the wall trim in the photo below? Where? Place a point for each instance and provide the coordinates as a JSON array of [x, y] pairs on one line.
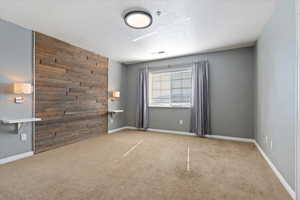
[[124, 128], [193, 134], [238, 139], [117, 130], [16, 157], [276, 171], [171, 132], [186, 133], [161, 131]]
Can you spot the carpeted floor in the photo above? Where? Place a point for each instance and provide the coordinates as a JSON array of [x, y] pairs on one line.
[[143, 166]]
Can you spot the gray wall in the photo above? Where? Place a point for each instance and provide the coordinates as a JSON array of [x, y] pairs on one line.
[[15, 66], [117, 81], [231, 88], [276, 89]]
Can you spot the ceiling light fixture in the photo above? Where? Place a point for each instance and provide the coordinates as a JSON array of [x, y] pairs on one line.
[[138, 19]]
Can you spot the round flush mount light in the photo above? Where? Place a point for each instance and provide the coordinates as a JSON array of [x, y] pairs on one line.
[[138, 19]]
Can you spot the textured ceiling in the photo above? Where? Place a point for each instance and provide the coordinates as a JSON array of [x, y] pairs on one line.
[[184, 27]]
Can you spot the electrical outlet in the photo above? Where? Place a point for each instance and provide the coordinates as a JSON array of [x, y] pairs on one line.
[[180, 122], [23, 136], [111, 120], [271, 144]]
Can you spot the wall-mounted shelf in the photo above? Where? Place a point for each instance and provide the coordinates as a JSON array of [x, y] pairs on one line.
[[15, 121], [18, 122], [116, 111], [112, 112]]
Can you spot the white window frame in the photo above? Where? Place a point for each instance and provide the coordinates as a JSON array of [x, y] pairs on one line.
[[168, 105]]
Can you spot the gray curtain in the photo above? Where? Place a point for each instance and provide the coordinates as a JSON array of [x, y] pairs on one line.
[[142, 111], [200, 113]]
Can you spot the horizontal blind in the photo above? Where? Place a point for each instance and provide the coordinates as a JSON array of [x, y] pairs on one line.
[[171, 88]]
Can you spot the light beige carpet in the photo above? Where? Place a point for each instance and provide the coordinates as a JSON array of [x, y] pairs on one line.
[[143, 166]]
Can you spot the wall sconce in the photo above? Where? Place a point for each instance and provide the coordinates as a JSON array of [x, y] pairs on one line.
[[21, 88], [115, 95]]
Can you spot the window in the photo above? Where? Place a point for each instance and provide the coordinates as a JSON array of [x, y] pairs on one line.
[[170, 88]]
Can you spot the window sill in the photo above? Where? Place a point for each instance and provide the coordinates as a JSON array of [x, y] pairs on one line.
[[176, 107]]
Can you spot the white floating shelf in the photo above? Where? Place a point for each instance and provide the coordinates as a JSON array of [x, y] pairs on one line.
[[116, 111], [16, 121]]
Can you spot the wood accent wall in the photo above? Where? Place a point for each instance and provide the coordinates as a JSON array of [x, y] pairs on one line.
[[71, 93]]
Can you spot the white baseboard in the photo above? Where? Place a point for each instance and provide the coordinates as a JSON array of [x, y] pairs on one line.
[[277, 173], [16, 157], [190, 134], [161, 131], [230, 138], [130, 127], [171, 132], [116, 130], [121, 129]]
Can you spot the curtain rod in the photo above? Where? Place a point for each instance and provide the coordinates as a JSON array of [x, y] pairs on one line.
[[174, 65], [170, 66]]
